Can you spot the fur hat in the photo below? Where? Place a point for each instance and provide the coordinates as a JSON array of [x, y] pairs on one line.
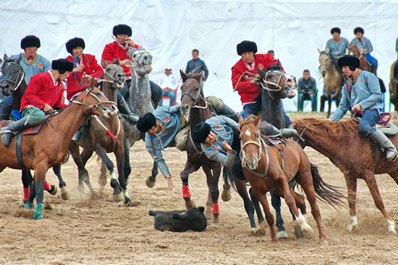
[[146, 122], [348, 60], [122, 29], [335, 29], [73, 43], [62, 65], [30, 41], [246, 46], [358, 29], [200, 132]]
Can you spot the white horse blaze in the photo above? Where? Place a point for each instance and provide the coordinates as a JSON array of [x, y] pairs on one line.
[[248, 133]]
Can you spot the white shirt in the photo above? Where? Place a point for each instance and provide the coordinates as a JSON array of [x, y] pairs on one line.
[[168, 81]]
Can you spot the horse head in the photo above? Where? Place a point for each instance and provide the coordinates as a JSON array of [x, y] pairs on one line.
[[354, 50], [114, 73], [141, 61], [13, 75], [191, 92], [325, 61], [251, 145], [94, 102], [277, 83]]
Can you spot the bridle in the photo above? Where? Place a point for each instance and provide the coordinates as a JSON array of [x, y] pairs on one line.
[[197, 96], [277, 85], [18, 81], [330, 65], [145, 66], [259, 142], [92, 106]]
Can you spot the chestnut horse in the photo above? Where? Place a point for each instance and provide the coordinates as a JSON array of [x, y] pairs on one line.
[[363, 63], [50, 146], [270, 167], [354, 155]]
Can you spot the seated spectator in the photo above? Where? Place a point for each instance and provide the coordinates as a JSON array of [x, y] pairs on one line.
[[324, 98], [306, 88], [168, 83]]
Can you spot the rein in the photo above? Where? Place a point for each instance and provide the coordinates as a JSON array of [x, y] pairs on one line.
[[197, 97], [92, 106], [261, 146]]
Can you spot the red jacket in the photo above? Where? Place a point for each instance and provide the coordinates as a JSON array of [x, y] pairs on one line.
[[41, 90], [113, 51], [248, 92], [90, 67]]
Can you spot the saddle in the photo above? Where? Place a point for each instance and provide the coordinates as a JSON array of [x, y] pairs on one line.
[[28, 131]]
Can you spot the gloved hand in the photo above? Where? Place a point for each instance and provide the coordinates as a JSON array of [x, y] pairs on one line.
[[132, 118]]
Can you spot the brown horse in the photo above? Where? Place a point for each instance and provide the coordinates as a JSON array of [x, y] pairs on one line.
[[393, 84], [363, 63], [50, 146], [270, 167], [333, 139], [332, 78]]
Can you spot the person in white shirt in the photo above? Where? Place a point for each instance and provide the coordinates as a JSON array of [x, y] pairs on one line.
[[168, 83]]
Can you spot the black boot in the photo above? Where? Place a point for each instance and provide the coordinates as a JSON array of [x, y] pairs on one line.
[[125, 109], [12, 128], [221, 108]]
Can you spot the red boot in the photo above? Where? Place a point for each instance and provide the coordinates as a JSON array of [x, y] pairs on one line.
[[186, 194]]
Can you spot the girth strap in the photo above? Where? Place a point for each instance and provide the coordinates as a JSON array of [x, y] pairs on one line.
[[18, 149], [193, 144]]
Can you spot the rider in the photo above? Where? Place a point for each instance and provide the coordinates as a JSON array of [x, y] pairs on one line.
[[44, 92], [337, 46], [244, 83], [31, 63], [118, 51], [161, 127], [362, 94], [365, 46]]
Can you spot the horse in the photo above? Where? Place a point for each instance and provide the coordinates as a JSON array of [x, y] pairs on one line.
[[14, 84], [268, 166], [363, 63], [196, 109], [50, 146], [362, 161], [102, 136], [332, 78], [393, 84]]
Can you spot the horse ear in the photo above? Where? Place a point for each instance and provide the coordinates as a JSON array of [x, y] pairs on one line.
[[241, 120], [19, 58], [327, 50], [6, 58], [261, 73], [319, 50], [257, 119], [183, 75]]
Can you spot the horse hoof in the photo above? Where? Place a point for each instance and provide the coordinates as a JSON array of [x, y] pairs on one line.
[[282, 234], [117, 197], [189, 204], [65, 195], [53, 190], [216, 220], [352, 227], [298, 232], [150, 182], [226, 195], [127, 200], [38, 216], [261, 231], [323, 243], [307, 231], [28, 205]]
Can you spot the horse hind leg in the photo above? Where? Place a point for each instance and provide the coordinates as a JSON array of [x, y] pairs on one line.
[[226, 193], [212, 177], [64, 192], [184, 175], [276, 204]]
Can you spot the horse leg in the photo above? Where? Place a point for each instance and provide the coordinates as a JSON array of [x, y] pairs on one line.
[[40, 175], [119, 154], [300, 202], [226, 193], [117, 190], [276, 204], [247, 203], [26, 182], [80, 161], [330, 106], [374, 190], [268, 215], [61, 182], [351, 183], [127, 167], [151, 180], [212, 183], [184, 175], [256, 204]]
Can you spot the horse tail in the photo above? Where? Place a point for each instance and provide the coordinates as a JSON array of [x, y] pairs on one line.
[[327, 193], [229, 178]]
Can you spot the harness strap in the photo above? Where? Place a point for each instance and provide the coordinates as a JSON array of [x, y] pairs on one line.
[[108, 131], [18, 149], [194, 145]]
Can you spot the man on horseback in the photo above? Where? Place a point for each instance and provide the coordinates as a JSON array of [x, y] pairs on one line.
[[337, 46], [366, 47], [161, 127], [31, 63], [44, 92], [362, 94], [118, 51]]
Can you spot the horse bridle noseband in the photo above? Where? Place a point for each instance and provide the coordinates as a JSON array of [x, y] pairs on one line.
[[278, 86], [136, 64], [21, 76], [92, 106], [198, 96], [261, 145]]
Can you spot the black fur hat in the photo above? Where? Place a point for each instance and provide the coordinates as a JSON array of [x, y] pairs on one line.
[[62, 65], [335, 29], [246, 46], [200, 132], [348, 60], [122, 29], [30, 41], [358, 29], [73, 43], [146, 122]]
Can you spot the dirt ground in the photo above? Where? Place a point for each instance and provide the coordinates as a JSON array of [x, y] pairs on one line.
[[100, 231]]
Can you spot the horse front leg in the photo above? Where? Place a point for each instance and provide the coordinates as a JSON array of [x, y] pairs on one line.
[[330, 106], [127, 166], [351, 183], [117, 190], [247, 203], [26, 182], [151, 180], [276, 204], [190, 167], [119, 154], [64, 192], [80, 161], [40, 176], [226, 193]]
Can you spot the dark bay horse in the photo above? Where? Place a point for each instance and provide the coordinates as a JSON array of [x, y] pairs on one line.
[[50, 146], [333, 79], [196, 109], [14, 84], [104, 135], [393, 84], [354, 155], [267, 167]]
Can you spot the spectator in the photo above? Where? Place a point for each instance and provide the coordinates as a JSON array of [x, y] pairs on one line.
[[197, 65], [324, 98], [272, 53], [168, 83], [306, 88]]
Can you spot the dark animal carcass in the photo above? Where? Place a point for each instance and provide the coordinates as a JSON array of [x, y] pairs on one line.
[[180, 221]]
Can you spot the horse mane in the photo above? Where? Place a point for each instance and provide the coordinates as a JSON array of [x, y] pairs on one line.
[[328, 127]]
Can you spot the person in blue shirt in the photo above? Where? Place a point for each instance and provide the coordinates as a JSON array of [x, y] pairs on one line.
[[197, 65], [365, 46], [337, 45], [362, 95], [306, 88], [161, 127]]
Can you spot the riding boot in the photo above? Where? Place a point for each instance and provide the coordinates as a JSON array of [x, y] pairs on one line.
[[230, 113], [125, 109], [268, 129], [382, 141], [12, 128]]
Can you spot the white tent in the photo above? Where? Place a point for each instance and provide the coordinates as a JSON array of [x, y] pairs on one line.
[[170, 29]]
